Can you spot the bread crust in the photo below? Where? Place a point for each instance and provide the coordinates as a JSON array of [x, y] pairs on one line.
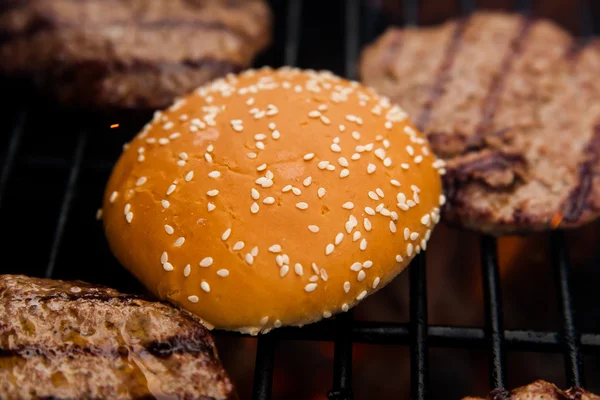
[[253, 209]]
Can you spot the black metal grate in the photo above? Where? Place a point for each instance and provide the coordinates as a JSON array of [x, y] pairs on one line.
[[79, 162]]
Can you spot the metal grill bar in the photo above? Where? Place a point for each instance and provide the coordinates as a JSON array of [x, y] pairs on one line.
[[419, 352], [11, 153], [493, 311], [66, 202], [293, 30], [342, 361], [263, 372], [570, 336]]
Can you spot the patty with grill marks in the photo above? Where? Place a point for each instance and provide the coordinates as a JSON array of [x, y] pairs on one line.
[[539, 390], [512, 105], [72, 340], [129, 54]]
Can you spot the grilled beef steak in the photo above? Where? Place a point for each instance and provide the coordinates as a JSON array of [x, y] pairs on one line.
[[71, 340], [539, 390], [129, 53], [512, 105]]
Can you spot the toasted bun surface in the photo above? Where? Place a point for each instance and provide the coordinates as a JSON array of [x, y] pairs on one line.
[[272, 198]]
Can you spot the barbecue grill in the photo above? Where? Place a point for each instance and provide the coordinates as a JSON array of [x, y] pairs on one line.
[[56, 162]]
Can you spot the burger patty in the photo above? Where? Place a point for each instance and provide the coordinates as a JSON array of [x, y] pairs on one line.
[[539, 390], [71, 340], [513, 107], [129, 53]]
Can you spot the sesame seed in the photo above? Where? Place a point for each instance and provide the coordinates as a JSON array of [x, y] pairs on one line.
[[331, 167], [387, 162], [223, 273], [254, 208], [442, 200], [392, 227], [380, 153], [321, 192], [272, 126], [404, 166], [249, 258], [275, 248], [363, 244], [254, 193], [372, 195], [261, 167], [302, 205], [189, 176], [251, 155], [322, 164], [314, 114], [428, 234], [283, 270], [168, 126], [264, 320], [343, 162], [409, 249], [211, 207], [307, 181], [418, 159], [361, 276], [277, 323], [399, 258], [371, 168], [269, 200], [355, 156], [325, 120], [356, 135], [206, 262], [167, 266], [345, 307], [379, 207], [238, 245], [376, 283], [179, 242], [401, 197], [410, 150], [324, 275], [368, 264], [296, 191], [367, 224], [380, 192], [226, 234], [113, 197], [336, 148], [181, 163], [395, 183], [187, 270], [425, 220], [260, 145], [356, 266], [348, 205], [342, 128], [254, 251], [346, 286], [315, 268], [344, 173], [275, 135], [165, 203], [361, 295], [169, 229], [356, 236], [208, 157], [210, 148], [286, 188], [212, 193], [310, 287], [338, 238], [141, 181], [313, 228], [260, 136], [406, 233], [423, 244], [329, 249], [410, 203], [414, 236], [309, 156], [369, 147], [193, 299], [205, 286], [326, 314], [298, 269]]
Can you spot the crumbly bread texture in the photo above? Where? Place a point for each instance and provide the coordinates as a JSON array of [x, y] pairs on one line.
[[73, 340], [512, 105], [539, 390], [134, 54], [276, 197]]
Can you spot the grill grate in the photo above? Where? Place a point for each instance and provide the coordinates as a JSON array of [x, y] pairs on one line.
[[70, 169]]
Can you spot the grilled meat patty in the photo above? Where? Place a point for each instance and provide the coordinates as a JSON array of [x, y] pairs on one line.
[[512, 105], [71, 340], [129, 53], [539, 390]]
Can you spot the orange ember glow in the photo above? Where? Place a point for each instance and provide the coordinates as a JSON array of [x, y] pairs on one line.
[[114, 126], [556, 220]]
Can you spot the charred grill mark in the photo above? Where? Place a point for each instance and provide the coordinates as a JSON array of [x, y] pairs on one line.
[[193, 344], [499, 394], [444, 73], [576, 202], [492, 100], [101, 297]]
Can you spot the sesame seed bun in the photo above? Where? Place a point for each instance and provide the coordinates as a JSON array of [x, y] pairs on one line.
[[276, 197]]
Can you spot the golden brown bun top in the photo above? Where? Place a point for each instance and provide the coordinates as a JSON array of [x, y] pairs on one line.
[[272, 198]]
